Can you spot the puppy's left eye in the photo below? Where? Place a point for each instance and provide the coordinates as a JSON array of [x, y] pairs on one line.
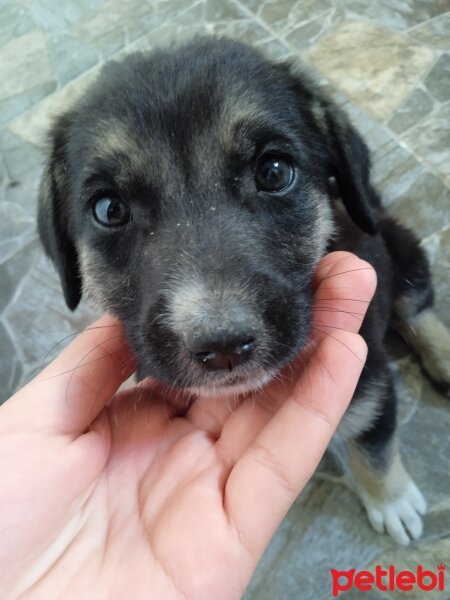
[[273, 174], [111, 212]]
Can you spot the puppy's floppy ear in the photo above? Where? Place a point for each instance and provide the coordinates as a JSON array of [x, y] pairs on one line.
[[54, 215], [350, 165], [348, 156]]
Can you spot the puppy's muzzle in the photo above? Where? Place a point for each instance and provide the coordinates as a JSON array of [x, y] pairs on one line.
[[222, 349]]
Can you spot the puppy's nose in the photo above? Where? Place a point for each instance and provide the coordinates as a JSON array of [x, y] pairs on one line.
[[221, 351]]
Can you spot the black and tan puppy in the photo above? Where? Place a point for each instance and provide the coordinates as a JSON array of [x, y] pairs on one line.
[[191, 193]]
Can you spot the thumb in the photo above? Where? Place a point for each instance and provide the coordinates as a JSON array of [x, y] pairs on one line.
[[71, 392]]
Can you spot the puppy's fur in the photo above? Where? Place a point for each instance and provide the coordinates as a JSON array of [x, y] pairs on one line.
[[177, 137]]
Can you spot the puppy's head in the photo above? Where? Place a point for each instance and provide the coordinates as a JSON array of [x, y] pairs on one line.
[[187, 193]]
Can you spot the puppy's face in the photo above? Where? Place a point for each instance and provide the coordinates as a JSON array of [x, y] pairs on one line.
[[187, 194]]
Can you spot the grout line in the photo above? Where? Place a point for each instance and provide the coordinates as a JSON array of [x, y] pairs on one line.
[[260, 21], [419, 82], [434, 235], [23, 280], [428, 21], [418, 157], [11, 334]]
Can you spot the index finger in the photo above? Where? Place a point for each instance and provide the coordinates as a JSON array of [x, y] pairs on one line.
[[283, 456]]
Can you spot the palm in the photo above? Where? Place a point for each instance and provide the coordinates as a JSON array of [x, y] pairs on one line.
[[165, 488]]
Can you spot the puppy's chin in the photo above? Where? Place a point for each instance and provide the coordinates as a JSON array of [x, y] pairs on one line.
[[227, 390]]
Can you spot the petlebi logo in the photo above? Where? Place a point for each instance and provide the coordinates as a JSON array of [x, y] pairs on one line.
[[388, 580]]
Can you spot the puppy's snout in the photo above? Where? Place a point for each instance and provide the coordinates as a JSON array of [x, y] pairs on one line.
[[221, 350]]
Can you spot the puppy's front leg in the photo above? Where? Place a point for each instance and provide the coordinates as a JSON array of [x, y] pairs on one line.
[[431, 340], [391, 498]]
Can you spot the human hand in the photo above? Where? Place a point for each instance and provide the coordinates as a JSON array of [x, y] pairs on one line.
[[126, 498]]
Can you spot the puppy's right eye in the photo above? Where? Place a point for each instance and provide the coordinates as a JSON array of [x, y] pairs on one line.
[[274, 174], [111, 212]]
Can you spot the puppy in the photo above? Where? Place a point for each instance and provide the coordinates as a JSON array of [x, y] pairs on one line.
[[192, 192]]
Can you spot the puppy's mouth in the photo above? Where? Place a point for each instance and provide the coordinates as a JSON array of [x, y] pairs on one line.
[[234, 385]]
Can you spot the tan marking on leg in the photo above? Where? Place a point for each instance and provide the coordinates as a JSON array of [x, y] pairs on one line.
[[431, 339], [383, 483]]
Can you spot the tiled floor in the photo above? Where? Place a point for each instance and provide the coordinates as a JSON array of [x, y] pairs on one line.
[[388, 63]]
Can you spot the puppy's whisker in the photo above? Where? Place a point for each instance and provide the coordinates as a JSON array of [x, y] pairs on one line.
[[348, 271], [315, 327], [123, 366], [81, 362], [315, 323], [277, 343], [342, 298], [323, 367], [331, 309], [72, 335], [78, 365]]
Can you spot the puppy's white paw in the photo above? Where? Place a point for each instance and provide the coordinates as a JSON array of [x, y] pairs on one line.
[[400, 517]]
